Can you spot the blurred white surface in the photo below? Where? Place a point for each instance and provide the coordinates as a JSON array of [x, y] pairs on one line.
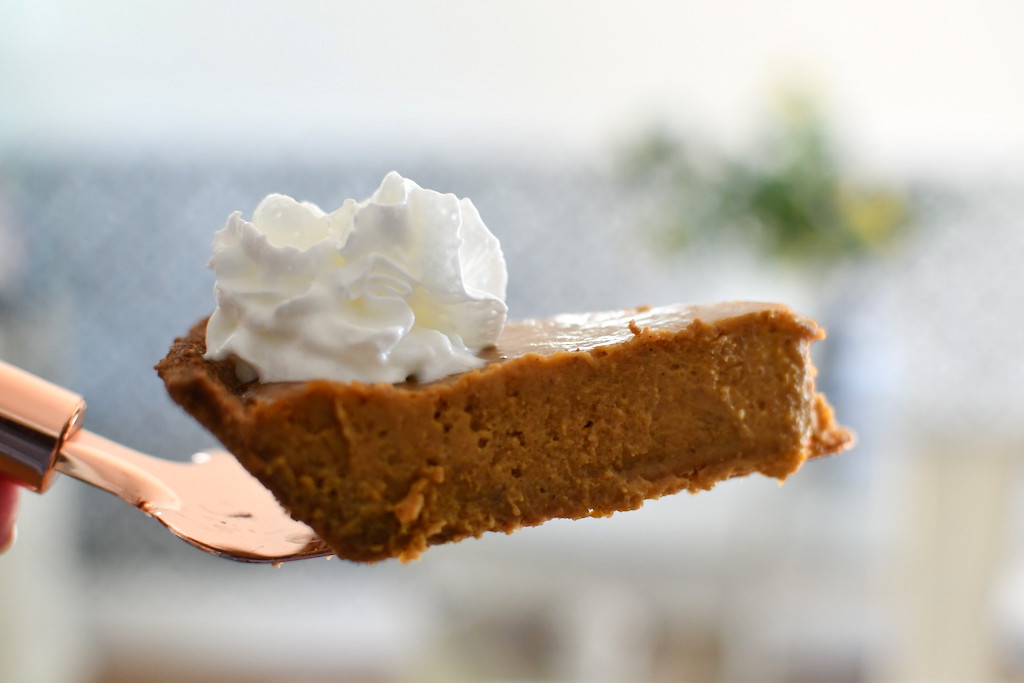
[[43, 633]]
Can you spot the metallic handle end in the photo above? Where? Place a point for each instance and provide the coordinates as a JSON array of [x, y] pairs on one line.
[[36, 417]]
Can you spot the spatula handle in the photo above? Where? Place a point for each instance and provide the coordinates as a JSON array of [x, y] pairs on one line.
[[36, 417]]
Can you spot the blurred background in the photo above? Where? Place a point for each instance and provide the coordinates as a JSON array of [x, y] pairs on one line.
[[862, 161]]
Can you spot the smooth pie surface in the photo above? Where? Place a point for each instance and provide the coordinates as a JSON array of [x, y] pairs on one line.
[[574, 416]]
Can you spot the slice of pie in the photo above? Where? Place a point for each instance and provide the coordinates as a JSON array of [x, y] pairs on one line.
[[572, 416]]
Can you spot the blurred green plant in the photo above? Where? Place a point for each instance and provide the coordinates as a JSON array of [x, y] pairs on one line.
[[789, 196]]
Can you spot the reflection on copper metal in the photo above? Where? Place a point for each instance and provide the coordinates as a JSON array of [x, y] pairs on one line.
[[212, 502], [36, 417]]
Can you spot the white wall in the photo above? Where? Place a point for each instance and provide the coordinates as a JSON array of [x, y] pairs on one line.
[[911, 83]]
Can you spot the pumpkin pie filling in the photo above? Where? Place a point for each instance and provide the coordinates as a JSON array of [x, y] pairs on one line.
[[571, 416]]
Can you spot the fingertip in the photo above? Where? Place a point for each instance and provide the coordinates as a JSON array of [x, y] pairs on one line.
[[8, 508], [7, 541]]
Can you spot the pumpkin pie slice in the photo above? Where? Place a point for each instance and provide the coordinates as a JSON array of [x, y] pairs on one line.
[[572, 416]]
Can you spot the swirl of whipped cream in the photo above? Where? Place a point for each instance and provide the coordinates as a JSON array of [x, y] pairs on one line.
[[409, 283]]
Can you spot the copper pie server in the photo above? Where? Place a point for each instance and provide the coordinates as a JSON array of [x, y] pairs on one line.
[[211, 502]]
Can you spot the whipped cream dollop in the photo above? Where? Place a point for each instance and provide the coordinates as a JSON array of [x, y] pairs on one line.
[[408, 284]]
